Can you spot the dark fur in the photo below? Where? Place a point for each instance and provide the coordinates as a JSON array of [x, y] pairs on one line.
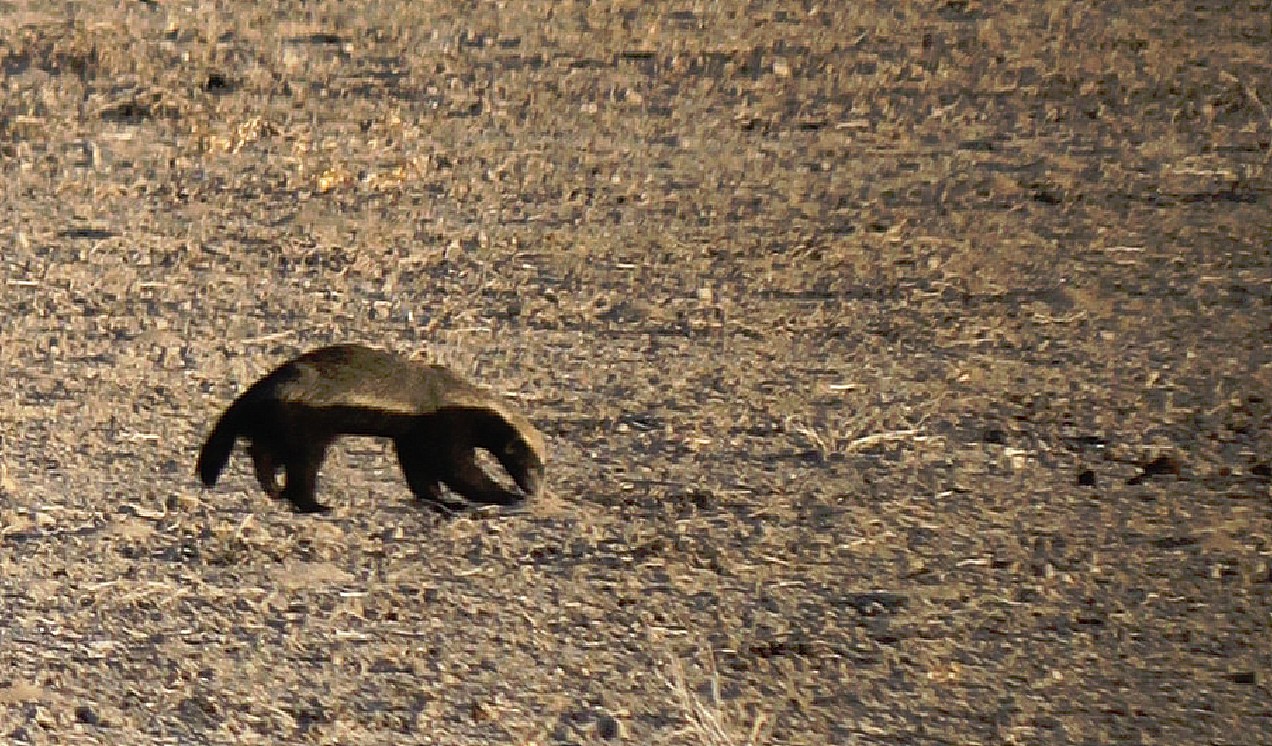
[[435, 418]]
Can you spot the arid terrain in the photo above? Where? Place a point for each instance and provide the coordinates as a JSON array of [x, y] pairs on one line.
[[906, 370]]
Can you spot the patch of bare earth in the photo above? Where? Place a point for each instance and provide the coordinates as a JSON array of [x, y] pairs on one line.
[[905, 369]]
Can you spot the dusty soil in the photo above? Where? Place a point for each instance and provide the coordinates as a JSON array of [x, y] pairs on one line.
[[905, 366]]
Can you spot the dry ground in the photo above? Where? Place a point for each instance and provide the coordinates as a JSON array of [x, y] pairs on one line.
[[906, 369]]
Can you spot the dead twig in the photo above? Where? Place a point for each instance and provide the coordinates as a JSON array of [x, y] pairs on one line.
[[705, 719], [870, 440]]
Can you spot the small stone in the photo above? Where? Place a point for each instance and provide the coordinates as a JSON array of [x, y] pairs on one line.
[[608, 727], [1160, 466], [994, 436]]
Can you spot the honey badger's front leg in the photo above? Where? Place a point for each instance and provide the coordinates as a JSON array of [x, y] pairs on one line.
[[421, 471], [427, 468]]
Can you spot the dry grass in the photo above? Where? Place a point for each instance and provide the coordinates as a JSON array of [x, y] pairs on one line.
[[707, 722], [852, 327]]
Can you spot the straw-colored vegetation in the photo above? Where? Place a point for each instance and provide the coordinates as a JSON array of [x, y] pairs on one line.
[[904, 366]]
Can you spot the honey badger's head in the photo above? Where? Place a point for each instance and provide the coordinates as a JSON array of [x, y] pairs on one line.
[[522, 462], [509, 438], [516, 445]]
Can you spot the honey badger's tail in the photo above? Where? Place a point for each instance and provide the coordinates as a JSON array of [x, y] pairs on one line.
[[220, 444]]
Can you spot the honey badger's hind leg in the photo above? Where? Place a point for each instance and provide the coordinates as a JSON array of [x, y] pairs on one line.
[[301, 464], [279, 439], [265, 465], [299, 461], [419, 461]]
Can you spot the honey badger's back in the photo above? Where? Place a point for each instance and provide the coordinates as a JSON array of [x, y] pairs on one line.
[[351, 375], [357, 376]]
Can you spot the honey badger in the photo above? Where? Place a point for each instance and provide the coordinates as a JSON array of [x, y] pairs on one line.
[[436, 419]]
